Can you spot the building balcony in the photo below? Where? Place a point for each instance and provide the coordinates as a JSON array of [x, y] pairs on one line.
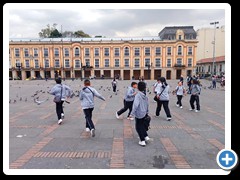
[[179, 66]]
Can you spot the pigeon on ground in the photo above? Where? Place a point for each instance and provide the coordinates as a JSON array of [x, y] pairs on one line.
[[40, 102]]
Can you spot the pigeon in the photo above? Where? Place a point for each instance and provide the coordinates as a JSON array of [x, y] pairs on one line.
[[149, 92], [10, 101], [14, 101], [25, 99], [110, 96], [20, 99], [40, 102]]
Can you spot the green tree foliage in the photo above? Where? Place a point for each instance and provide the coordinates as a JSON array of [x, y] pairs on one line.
[[55, 34], [80, 34]]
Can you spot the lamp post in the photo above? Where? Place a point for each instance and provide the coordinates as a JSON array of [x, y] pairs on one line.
[[19, 66], [214, 34]]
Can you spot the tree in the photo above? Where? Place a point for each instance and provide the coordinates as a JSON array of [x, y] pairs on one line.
[[55, 34], [46, 33], [80, 33]]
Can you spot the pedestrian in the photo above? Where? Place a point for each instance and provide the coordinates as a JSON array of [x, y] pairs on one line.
[[195, 92], [86, 97], [156, 87], [114, 85], [181, 79], [214, 82], [140, 111], [189, 83], [179, 91], [61, 92], [128, 100], [163, 99]]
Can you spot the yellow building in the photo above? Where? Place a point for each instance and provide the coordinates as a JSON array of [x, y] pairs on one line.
[[170, 54]]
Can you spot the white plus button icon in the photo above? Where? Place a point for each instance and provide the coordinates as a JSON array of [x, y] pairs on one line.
[[227, 159]]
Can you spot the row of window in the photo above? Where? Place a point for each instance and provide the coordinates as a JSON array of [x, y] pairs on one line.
[[97, 63], [137, 51]]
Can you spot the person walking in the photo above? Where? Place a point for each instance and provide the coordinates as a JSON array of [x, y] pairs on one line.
[[60, 92], [163, 99], [195, 91], [189, 83], [114, 85], [181, 79], [156, 87], [86, 97], [128, 100], [139, 111], [180, 91]]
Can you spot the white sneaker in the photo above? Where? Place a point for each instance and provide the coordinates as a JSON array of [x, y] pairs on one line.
[[196, 110], [190, 109], [128, 118], [62, 115], [147, 138], [131, 118], [181, 107], [117, 116], [60, 121], [87, 130], [177, 105], [93, 132], [142, 143], [169, 119]]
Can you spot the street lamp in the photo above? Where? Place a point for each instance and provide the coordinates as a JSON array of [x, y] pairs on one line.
[[214, 23], [19, 66]]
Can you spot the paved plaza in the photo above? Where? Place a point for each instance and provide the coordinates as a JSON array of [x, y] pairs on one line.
[[189, 141]]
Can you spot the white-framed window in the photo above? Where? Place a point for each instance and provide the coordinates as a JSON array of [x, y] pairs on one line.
[[190, 50], [56, 63], [106, 52], [147, 51], [66, 52], [46, 63], [137, 51], [35, 52], [126, 62], [169, 62], [180, 37], [116, 52], [136, 63], [36, 63], [179, 61], [106, 62], [96, 63], [169, 51], [56, 52], [117, 63], [77, 63], [45, 52], [17, 63], [147, 61], [86, 52], [77, 51], [126, 51], [87, 62], [96, 52], [157, 62], [189, 62], [67, 63], [26, 52], [17, 52], [27, 63], [158, 51], [179, 50]]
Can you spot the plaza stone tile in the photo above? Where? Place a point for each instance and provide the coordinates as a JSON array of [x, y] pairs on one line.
[[190, 140]]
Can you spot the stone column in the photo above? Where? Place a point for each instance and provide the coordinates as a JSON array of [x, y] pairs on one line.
[[32, 73], [52, 74], [42, 74], [23, 74], [121, 74], [112, 73]]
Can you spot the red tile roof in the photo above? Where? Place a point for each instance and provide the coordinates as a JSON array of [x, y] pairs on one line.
[[210, 60]]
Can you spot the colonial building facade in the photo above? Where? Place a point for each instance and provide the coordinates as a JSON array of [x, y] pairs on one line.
[[170, 54]]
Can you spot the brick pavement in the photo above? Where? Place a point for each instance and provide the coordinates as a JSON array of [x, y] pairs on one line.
[[37, 142]]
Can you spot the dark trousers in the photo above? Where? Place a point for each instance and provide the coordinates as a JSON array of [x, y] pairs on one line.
[[59, 109], [194, 98], [179, 100], [114, 88], [127, 105], [165, 107], [88, 117], [140, 128], [189, 88]]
